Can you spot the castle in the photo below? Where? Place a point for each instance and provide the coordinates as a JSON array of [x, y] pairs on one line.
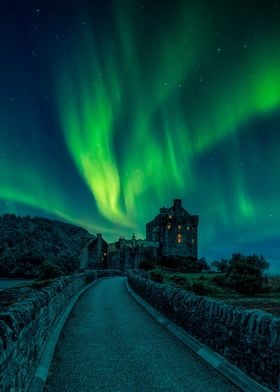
[[173, 232]]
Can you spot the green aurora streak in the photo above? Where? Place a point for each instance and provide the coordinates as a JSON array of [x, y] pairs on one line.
[[156, 106], [100, 86]]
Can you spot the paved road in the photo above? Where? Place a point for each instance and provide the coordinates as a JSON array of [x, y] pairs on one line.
[[110, 344]]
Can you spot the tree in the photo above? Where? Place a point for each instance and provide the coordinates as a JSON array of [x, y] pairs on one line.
[[221, 265], [49, 271], [25, 243], [245, 273], [204, 264]]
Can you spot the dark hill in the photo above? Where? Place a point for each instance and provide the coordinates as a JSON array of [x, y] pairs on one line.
[[28, 242]]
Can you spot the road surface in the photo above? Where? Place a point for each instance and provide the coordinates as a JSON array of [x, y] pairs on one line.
[[110, 344]]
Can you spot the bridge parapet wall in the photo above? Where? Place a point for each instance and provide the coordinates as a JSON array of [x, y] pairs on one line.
[[26, 325], [248, 338]]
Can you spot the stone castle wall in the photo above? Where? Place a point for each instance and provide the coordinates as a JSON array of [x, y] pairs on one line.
[[26, 325], [249, 339]]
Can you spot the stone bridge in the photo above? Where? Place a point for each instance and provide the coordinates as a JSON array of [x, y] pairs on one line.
[[111, 343]]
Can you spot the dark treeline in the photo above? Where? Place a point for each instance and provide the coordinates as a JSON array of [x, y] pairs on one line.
[[31, 245]]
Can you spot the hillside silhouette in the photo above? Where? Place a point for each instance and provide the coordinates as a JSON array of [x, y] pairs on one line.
[[28, 244]]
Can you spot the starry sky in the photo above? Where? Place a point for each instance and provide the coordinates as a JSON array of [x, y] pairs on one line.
[[111, 109]]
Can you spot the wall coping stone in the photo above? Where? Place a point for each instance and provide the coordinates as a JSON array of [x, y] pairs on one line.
[[235, 333], [26, 325], [41, 373]]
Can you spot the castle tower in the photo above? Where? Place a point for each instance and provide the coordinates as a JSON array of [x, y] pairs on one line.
[[176, 230]]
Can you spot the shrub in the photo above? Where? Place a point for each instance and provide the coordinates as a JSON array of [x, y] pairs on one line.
[[200, 289], [178, 280], [48, 270], [266, 289], [204, 264], [181, 281], [156, 276], [181, 264], [204, 289], [219, 280], [40, 284], [147, 265], [221, 265]]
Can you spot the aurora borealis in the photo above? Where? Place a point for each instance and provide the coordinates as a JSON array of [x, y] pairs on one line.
[[111, 109]]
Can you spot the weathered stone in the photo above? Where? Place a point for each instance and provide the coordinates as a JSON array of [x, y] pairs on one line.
[[5, 333], [12, 322], [248, 338], [25, 326]]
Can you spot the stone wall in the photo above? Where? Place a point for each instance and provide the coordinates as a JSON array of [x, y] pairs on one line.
[[97, 253], [249, 339], [26, 325]]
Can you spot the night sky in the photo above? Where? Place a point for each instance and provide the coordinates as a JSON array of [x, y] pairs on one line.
[[110, 109]]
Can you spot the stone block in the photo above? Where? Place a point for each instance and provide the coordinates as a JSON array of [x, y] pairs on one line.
[[248, 338]]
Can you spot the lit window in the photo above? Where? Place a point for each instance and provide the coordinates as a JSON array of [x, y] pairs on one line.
[[170, 217], [188, 228], [169, 227], [192, 241], [179, 227], [179, 238]]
